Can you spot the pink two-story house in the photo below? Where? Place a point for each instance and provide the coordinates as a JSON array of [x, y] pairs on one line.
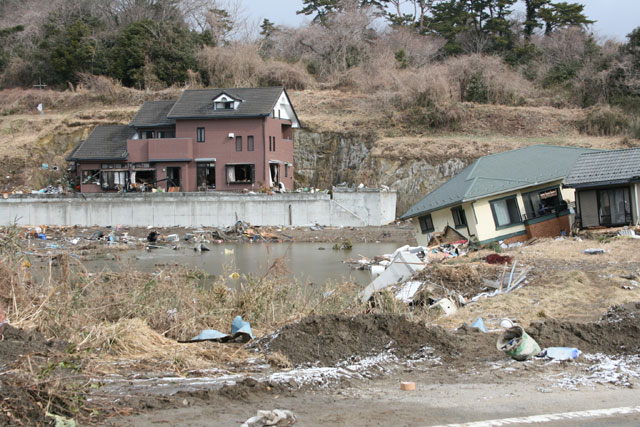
[[210, 139]]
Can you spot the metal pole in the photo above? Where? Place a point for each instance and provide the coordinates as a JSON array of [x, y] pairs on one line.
[[41, 86]]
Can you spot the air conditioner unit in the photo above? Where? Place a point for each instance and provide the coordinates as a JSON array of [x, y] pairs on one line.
[[232, 135]]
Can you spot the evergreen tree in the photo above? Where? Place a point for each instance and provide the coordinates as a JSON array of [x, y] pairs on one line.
[[563, 14], [322, 8], [155, 50]]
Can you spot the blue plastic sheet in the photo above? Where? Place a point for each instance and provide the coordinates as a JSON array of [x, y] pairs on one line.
[[240, 331], [479, 324]]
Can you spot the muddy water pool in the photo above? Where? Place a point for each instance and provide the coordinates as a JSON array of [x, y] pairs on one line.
[[306, 262]]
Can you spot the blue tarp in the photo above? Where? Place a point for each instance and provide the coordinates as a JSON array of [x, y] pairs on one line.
[[240, 329]]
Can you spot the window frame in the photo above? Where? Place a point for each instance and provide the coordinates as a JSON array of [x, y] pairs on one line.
[[252, 173], [238, 143], [200, 132], [87, 174], [462, 215], [206, 166], [535, 210], [424, 226], [513, 223], [250, 143]]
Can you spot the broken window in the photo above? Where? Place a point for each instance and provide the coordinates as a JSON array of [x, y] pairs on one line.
[[542, 202], [113, 180], [238, 143], [173, 178], [274, 174], [206, 173], [240, 174], [91, 176], [143, 180], [506, 211], [200, 135], [250, 143], [459, 218], [426, 224]]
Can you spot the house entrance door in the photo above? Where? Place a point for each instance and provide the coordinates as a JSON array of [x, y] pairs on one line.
[[274, 174], [173, 177]]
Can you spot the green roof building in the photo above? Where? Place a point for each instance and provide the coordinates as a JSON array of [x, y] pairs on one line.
[[511, 196]]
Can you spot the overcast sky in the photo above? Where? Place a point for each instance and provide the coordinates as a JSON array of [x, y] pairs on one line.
[[616, 18]]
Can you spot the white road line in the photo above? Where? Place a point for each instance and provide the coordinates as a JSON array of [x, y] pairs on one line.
[[547, 418]]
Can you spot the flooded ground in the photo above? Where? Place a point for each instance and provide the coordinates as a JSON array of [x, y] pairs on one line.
[[307, 262]]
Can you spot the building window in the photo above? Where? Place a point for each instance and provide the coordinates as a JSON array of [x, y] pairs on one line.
[[426, 223], [542, 202], [240, 174], [269, 143], [238, 143], [459, 218], [148, 134], [227, 105], [614, 206], [166, 134], [274, 143], [206, 174], [286, 170], [112, 180], [200, 135], [91, 176], [506, 211], [250, 143]]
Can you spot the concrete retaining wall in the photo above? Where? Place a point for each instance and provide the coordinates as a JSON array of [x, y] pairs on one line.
[[355, 209]]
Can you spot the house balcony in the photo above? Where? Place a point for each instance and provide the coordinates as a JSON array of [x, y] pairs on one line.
[[157, 150]]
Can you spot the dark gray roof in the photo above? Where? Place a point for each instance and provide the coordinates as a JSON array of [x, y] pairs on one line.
[[104, 143], [500, 173], [605, 168], [199, 103], [153, 113]]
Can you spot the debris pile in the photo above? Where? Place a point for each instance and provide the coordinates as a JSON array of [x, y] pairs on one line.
[[418, 276]]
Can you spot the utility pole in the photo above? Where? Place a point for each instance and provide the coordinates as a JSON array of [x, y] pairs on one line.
[[41, 86]]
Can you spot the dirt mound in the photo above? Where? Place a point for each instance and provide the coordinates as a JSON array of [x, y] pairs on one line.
[[17, 342], [618, 331], [326, 340]]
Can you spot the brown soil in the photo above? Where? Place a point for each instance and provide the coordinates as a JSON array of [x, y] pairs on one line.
[[327, 340], [15, 343], [22, 398], [618, 331]]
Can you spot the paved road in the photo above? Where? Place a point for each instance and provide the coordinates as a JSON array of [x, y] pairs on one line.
[[382, 403]]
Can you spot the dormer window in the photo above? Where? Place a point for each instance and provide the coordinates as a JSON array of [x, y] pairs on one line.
[[224, 105], [225, 102]]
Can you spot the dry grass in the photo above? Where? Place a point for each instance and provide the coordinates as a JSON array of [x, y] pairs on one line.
[[133, 316], [564, 284]]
